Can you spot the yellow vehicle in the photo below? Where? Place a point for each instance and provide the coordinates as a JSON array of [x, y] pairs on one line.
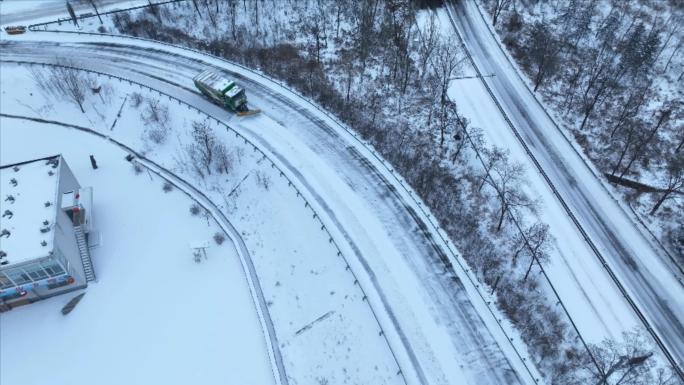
[[15, 30]]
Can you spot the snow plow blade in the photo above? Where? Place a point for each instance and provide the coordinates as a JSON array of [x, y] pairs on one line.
[[248, 113]]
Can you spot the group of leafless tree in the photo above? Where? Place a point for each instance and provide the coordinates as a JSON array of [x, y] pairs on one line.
[[63, 81], [370, 64], [612, 69], [207, 153], [155, 116]]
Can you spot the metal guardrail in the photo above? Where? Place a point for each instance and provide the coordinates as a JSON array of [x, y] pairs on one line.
[[571, 215]]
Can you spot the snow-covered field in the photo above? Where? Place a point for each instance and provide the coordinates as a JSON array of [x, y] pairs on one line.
[[154, 316]]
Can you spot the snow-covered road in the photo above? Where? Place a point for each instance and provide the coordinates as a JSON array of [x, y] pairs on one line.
[[649, 279], [444, 325]]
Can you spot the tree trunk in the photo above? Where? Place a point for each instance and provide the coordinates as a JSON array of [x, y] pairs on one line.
[[660, 201], [538, 79], [679, 146], [628, 142], [501, 217], [194, 2], [456, 153], [664, 116], [529, 268], [96, 11]]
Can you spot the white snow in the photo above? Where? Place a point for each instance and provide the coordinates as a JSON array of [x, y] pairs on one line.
[[213, 80], [154, 316]]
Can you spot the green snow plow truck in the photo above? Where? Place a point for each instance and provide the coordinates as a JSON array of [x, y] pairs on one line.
[[224, 92]]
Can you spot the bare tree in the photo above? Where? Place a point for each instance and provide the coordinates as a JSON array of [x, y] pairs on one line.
[[202, 148], [499, 6], [544, 52], [665, 114], [212, 15], [623, 363], [631, 107], [233, 16], [155, 112], [446, 61], [505, 177], [194, 2], [448, 121], [155, 115], [224, 158], [681, 140], [206, 151], [536, 244], [675, 181], [64, 80], [314, 27], [429, 37], [466, 136], [364, 31], [490, 158], [152, 8]]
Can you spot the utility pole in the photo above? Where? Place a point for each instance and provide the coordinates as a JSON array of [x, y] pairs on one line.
[[72, 13], [92, 2]]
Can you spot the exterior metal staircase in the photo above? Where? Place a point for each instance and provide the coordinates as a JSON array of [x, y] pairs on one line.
[[85, 254]]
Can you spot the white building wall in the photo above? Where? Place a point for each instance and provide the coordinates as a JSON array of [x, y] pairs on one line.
[[65, 239]]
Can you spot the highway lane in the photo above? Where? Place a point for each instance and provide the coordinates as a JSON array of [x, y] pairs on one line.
[[647, 276]]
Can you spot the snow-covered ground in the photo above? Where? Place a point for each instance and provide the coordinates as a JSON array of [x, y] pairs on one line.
[[324, 327], [154, 316], [645, 274], [447, 328]]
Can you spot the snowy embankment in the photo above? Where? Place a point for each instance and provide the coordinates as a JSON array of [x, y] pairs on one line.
[[154, 315], [331, 336], [644, 274], [294, 136]]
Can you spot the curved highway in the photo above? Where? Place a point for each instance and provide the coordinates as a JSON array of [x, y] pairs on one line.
[[446, 328]]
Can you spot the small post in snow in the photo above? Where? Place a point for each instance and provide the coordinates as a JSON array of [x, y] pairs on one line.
[[199, 250], [93, 162]]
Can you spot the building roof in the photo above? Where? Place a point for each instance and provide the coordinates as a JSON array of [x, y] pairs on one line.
[[218, 83], [25, 190]]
